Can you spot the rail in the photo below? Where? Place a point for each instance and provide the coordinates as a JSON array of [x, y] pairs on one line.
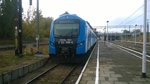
[[128, 50], [38, 76], [51, 69], [62, 82]]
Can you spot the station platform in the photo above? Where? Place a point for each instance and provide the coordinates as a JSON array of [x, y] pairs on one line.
[[115, 67]]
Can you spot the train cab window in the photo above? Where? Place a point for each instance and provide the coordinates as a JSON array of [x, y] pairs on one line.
[[66, 29]]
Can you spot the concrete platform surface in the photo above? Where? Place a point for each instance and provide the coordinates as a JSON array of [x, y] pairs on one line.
[[115, 67]]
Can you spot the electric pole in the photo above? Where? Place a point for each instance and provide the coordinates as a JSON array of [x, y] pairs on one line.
[[18, 28], [37, 26], [144, 41]]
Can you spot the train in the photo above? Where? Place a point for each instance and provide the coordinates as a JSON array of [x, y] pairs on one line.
[[71, 38]]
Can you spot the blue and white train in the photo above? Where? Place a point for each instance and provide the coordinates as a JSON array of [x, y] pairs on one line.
[[71, 38]]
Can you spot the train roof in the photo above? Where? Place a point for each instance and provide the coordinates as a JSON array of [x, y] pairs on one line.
[[66, 15]]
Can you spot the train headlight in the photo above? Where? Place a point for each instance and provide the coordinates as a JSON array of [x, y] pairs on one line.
[[71, 42], [52, 43], [81, 44]]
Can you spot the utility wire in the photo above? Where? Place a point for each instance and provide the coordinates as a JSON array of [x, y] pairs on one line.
[[132, 14], [134, 19]]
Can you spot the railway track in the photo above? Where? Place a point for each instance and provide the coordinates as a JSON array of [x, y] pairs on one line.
[[41, 74], [12, 47], [53, 73], [131, 51], [56, 74], [131, 45]]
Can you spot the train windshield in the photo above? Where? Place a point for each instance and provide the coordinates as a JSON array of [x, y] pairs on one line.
[[66, 29]]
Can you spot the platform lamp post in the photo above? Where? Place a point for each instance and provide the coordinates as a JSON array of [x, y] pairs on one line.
[[125, 32], [122, 36], [135, 34], [104, 34], [144, 41], [129, 33], [107, 31], [147, 30]]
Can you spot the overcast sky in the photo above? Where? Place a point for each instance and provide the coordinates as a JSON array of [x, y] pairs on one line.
[[97, 12]]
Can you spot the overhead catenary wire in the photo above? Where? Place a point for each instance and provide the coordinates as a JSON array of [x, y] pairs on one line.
[[132, 20], [131, 14]]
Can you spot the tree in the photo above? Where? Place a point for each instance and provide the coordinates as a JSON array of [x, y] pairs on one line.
[[8, 14], [7, 18], [45, 24], [29, 26], [136, 31], [126, 34], [126, 31]]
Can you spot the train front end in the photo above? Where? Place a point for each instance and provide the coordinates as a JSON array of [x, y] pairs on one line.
[[63, 39]]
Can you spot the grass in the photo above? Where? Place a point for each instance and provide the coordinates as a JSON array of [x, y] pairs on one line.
[[8, 60], [7, 42], [138, 38]]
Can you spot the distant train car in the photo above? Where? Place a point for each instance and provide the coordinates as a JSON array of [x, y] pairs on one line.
[[71, 38]]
